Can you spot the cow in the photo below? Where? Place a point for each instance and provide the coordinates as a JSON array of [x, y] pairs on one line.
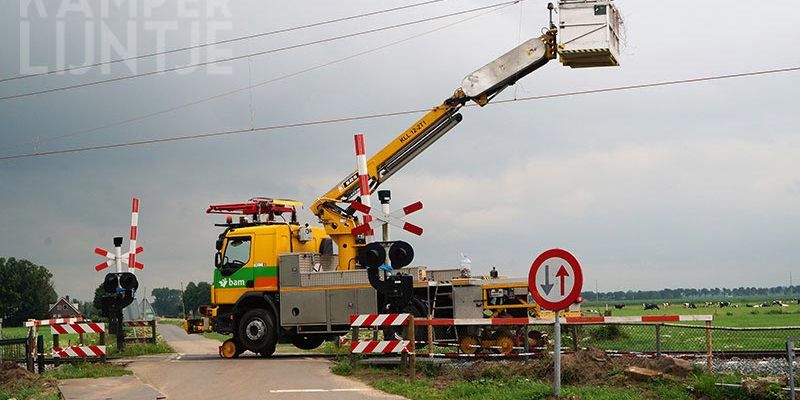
[[619, 306], [690, 305], [724, 304], [665, 305], [650, 306]]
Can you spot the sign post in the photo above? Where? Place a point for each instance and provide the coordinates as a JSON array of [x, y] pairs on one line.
[[555, 282]]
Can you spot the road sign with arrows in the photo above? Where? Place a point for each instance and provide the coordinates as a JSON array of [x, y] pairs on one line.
[[555, 279]]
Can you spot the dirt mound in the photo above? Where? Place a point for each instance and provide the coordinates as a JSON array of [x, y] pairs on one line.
[[585, 367], [11, 375]]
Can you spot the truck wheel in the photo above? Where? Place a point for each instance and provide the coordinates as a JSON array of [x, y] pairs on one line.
[[307, 342], [257, 331]]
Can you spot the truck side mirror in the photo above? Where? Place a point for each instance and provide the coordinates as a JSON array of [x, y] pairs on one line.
[[218, 259], [219, 244]]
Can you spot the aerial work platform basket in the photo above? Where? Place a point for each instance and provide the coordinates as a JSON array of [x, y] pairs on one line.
[[589, 33]]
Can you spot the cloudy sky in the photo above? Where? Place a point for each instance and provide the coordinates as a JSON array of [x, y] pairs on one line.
[[682, 186]]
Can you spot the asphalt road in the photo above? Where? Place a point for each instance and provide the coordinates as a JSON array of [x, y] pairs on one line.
[[197, 372]]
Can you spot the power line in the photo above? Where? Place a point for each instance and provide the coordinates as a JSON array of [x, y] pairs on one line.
[[391, 114], [259, 84], [256, 85], [260, 53], [236, 39]]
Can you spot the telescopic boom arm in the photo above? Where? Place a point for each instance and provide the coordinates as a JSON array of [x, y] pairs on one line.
[[480, 87]]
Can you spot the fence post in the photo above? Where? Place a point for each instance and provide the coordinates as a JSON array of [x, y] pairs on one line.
[[413, 337], [153, 328], [430, 337], [709, 349], [40, 353], [790, 359], [574, 331], [56, 360], [527, 344], [29, 352], [658, 340], [353, 341]]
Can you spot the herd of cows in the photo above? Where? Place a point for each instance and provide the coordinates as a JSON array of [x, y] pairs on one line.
[[720, 304]]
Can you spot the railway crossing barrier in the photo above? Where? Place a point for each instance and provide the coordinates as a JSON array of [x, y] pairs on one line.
[[64, 326], [405, 347], [81, 350]]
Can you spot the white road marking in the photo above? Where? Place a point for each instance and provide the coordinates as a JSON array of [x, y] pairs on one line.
[[318, 390]]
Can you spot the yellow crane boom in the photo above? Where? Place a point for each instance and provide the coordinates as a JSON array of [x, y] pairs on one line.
[[480, 87]]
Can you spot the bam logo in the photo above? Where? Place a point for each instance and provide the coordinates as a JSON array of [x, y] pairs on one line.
[[228, 282]]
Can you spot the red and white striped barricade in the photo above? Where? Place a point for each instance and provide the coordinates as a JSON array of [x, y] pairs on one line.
[[35, 323], [79, 351], [380, 346], [79, 328], [376, 320]]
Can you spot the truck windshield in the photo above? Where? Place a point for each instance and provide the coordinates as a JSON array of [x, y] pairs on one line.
[[237, 253]]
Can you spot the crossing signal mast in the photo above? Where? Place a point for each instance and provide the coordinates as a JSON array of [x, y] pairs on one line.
[[120, 286]]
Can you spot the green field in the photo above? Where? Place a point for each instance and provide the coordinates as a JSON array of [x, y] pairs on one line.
[[726, 316], [676, 338], [131, 349]]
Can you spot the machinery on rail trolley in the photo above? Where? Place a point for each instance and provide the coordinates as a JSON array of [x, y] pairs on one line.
[[277, 280]]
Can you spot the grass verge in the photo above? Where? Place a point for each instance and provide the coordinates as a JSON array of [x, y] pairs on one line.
[[17, 383], [588, 376]]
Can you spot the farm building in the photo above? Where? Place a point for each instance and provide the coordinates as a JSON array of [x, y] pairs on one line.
[[63, 308]]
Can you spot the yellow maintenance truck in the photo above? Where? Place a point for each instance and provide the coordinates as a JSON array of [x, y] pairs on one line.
[[277, 280]]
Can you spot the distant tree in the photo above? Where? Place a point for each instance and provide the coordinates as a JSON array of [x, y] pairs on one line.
[[167, 302], [97, 302], [196, 295], [26, 291]]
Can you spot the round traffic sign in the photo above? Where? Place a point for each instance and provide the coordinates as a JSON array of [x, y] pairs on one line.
[[555, 279]]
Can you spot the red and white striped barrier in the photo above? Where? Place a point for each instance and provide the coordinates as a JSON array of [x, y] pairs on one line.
[[567, 320], [378, 320], [132, 264], [46, 322], [363, 183], [137, 323], [88, 327], [79, 351], [379, 346]]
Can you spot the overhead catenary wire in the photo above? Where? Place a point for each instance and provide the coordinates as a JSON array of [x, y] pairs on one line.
[[250, 86], [395, 113], [260, 53], [225, 41]]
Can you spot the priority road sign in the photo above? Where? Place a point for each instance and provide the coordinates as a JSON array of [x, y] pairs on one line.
[[555, 279]]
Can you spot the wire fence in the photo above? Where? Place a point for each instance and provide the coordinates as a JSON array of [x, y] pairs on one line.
[[680, 338], [746, 351]]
